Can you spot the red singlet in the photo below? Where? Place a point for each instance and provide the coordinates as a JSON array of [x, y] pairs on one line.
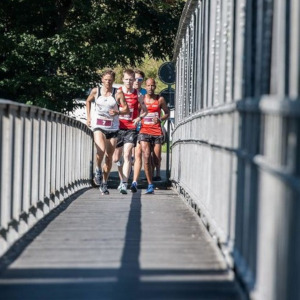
[[126, 121], [148, 126]]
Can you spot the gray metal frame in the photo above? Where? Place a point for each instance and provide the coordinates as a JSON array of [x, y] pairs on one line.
[[236, 142], [45, 157]]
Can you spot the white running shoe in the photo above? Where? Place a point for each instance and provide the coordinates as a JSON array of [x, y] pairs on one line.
[[123, 189], [119, 187]]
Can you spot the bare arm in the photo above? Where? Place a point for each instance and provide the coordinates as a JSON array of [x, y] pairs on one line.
[[88, 102], [143, 110], [164, 107], [121, 100]]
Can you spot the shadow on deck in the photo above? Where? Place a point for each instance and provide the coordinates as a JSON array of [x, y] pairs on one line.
[[131, 246]]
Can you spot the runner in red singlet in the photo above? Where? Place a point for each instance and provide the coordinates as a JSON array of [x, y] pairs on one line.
[[151, 135], [127, 135], [137, 153]]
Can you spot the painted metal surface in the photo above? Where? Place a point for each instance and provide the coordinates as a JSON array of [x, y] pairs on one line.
[[236, 142], [45, 157]]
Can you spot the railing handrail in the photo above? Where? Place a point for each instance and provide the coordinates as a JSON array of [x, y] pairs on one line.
[[32, 108], [45, 157], [236, 141]]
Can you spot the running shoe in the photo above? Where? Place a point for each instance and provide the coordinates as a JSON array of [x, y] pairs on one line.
[[103, 189], [98, 177], [156, 178], [133, 187], [119, 187], [150, 189], [123, 189]]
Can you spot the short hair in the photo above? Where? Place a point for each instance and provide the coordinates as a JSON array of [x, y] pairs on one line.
[[129, 72], [140, 72], [109, 72]]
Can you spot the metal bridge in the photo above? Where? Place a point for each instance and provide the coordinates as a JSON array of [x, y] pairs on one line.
[[236, 143], [60, 239], [229, 226]]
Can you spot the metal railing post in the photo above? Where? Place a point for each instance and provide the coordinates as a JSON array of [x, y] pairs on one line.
[[44, 157]]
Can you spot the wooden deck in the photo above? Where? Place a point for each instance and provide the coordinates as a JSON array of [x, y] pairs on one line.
[[132, 246]]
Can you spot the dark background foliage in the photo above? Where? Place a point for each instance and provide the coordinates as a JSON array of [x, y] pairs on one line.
[[51, 51]]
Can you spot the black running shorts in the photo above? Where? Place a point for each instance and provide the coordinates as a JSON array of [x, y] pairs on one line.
[[126, 136]]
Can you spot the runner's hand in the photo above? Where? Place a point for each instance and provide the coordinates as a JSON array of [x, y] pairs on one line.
[[113, 112], [136, 121], [88, 122], [156, 120]]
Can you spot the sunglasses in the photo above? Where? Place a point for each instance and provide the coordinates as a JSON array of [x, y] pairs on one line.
[[139, 79]]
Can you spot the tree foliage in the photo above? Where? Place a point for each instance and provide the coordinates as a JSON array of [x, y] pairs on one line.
[[150, 67], [51, 50]]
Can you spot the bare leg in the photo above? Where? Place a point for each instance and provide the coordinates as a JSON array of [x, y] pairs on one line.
[[152, 161], [137, 162], [147, 160], [110, 148], [132, 156], [100, 143], [157, 158], [127, 161], [117, 157]]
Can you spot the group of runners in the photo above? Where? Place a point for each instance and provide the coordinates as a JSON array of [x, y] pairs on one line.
[[126, 120]]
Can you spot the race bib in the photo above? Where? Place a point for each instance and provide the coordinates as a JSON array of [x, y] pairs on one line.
[[104, 122], [128, 117], [148, 120]]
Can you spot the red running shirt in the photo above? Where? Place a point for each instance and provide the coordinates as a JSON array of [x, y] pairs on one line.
[[148, 126], [126, 121]]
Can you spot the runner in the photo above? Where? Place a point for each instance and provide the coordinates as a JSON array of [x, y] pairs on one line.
[[127, 136], [151, 134], [105, 125], [137, 154]]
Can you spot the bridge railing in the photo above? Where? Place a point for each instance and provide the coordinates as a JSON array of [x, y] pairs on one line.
[[45, 157], [236, 142]]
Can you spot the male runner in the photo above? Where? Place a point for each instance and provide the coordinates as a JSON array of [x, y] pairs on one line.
[[127, 136], [105, 124], [139, 78], [151, 135]]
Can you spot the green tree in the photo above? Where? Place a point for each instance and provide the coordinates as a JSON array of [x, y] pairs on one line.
[[51, 50], [150, 67]]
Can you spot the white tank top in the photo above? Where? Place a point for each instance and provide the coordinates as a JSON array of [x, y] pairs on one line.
[[102, 119]]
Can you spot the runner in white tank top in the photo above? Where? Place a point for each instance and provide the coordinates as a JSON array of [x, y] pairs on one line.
[[102, 118], [105, 125]]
